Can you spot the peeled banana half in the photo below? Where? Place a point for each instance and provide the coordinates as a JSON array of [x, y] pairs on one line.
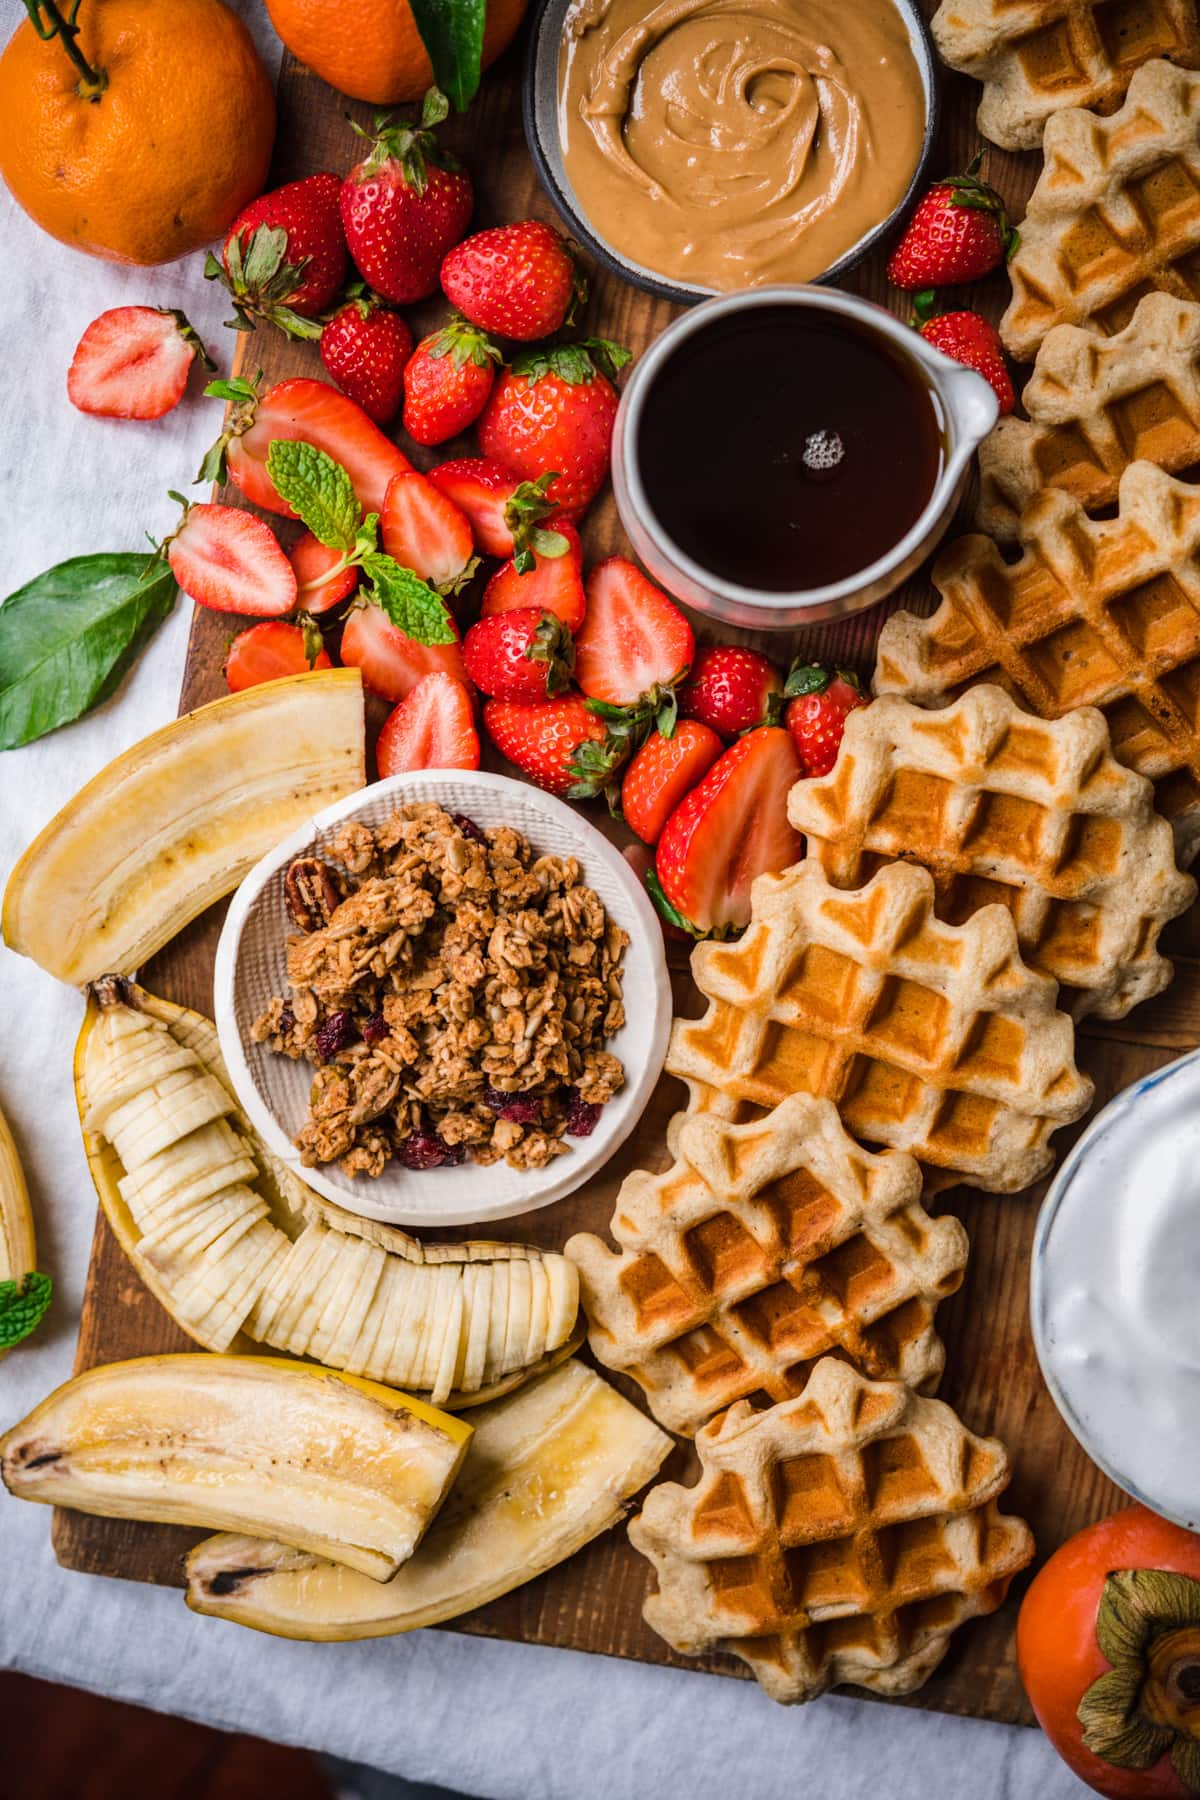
[[238, 1250], [343, 1468], [20, 1308], [547, 1470]]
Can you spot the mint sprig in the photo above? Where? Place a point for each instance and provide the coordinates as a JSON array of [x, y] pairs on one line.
[[414, 607], [23, 1306]]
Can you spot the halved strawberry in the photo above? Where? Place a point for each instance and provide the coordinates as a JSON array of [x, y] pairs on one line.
[[729, 830], [432, 728], [507, 514], [392, 663], [230, 561], [318, 588], [662, 772], [526, 654], [133, 362], [426, 532], [553, 583], [558, 744], [634, 640], [271, 650]]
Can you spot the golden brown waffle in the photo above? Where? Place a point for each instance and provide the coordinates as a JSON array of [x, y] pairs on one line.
[[841, 1536], [1095, 613], [764, 1247], [1000, 805], [929, 1038], [1115, 214], [1095, 405], [1036, 56]]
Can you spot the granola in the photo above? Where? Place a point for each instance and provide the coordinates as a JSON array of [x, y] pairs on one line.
[[454, 993]]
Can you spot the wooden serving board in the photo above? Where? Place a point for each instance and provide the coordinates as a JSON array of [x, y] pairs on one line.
[[593, 1602]]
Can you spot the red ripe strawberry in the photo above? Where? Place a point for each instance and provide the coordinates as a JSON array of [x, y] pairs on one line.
[[284, 257], [426, 532], [366, 347], [405, 206], [732, 689], [271, 650], [526, 654], [506, 513], [959, 232], [662, 772], [392, 663], [432, 728], [634, 641], [321, 584], [447, 383], [729, 830], [133, 362], [816, 714], [550, 582], [230, 561], [558, 744], [554, 409], [970, 339], [311, 412], [520, 281]]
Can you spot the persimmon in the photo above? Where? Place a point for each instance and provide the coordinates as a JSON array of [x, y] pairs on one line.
[[371, 49]]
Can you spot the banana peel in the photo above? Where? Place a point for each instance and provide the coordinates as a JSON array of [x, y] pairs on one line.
[[18, 1249], [547, 1470]]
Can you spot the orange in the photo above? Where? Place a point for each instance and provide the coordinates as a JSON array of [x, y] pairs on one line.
[[371, 49], [163, 158]]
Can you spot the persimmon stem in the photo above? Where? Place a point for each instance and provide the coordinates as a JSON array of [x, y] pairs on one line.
[[57, 24]]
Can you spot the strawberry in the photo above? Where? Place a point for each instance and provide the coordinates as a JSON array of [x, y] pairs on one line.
[[426, 532], [230, 561], [447, 382], [559, 744], [405, 205], [662, 772], [312, 412], [392, 663], [554, 409], [970, 339], [284, 256], [550, 582], [507, 514], [432, 728], [959, 232], [133, 362], [634, 643], [730, 829], [366, 347], [321, 581], [271, 650], [732, 689], [526, 654], [816, 713], [520, 281]]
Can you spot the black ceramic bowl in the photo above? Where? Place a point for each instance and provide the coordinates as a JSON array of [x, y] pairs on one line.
[[546, 26]]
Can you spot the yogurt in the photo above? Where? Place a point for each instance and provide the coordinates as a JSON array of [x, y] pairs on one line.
[[1116, 1291]]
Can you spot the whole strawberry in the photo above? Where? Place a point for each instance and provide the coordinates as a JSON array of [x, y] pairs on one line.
[[970, 339], [559, 744], [366, 347], [405, 205], [447, 382], [554, 409], [731, 690], [520, 281], [284, 257], [816, 713], [526, 654], [959, 232]]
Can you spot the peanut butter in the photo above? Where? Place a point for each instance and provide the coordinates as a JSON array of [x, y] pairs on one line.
[[727, 143]]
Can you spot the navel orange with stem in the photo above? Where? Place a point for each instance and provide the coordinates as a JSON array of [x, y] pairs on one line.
[[134, 129], [371, 49]]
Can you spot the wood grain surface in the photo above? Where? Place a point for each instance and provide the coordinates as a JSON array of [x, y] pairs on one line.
[[593, 1602]]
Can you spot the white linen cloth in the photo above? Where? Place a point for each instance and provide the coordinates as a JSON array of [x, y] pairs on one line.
[[512, 1722]]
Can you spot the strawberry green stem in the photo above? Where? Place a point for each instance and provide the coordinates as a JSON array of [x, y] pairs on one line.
[[56, 24]]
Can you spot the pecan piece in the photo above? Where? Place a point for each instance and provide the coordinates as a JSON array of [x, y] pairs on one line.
[[312, 892]]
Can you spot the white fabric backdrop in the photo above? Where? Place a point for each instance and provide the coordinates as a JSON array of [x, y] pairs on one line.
[[491, 1719]]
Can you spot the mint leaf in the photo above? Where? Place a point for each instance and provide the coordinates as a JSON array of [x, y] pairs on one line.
[[414, 607], [68, 636], [452, 33], [317, 488], [23, 1307]]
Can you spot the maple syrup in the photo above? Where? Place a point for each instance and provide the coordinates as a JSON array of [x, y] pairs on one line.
[[784, 448]]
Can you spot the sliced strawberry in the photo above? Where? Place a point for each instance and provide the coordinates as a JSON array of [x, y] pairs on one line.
[[634, 639], [310, 412], [526, 654], [432, 728], [553, 584], [662, 772], [318, 589], [426, 532], [271, 650], [232, 562], [391, 662], [558, 744], [133, 362], [729, 830], [506, 513]]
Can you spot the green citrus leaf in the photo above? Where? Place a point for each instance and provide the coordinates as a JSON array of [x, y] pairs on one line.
[[452, 33]]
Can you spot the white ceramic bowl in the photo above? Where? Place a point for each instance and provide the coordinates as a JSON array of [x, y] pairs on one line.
[[250, 968]]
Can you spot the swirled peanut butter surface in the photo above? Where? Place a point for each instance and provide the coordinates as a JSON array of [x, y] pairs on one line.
[[726, 143]]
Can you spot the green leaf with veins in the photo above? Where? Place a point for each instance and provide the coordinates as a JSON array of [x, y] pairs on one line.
[[23, 1306], [319, 490], [414, 607], [452, 33]]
